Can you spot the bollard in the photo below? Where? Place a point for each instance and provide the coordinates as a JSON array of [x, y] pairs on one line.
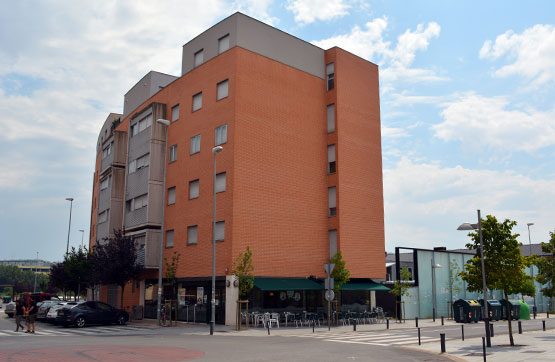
[[462, 331], [268, 326], [442, 336], [547, 314], [543, 322], [484, 348], [354, 325], [491, 330], [419, 343], [313, 324], [416, 321], [442, 320], [387, 320], [519, 327]]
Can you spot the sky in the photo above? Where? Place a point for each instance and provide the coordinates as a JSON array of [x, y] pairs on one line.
[[467, 93]]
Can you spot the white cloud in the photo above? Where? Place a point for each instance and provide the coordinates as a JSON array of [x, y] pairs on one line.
[[309, 11], [394, 132], [531, 53], [15, 175], [424, 202], [479, 121], [369, 43]]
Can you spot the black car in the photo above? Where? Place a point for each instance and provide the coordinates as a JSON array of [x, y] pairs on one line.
[[86, 313]]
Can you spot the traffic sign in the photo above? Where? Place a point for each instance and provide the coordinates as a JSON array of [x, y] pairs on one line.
[[328, 267], [329, 283], [329, 295]]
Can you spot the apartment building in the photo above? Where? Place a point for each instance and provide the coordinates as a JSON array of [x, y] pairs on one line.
[[299, 177]]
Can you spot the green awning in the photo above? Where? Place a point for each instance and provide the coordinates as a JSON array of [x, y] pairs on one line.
[[286, 284], [363, 286]]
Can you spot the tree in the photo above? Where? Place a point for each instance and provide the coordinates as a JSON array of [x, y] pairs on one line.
[[78, 269], [243, 269], [171, 270], [340, 273], [115, 261], [402, 286], [503, 261], [546, 268], [58, 277]]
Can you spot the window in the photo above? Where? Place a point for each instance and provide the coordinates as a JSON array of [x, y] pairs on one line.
[[169, 239], [333, 242], [331, 159], [139, 163], [171, 195], [192, 232], [221, 135], [195, 144], [332, 201], [330, 76], [104, 184], [137, 203], [219, 231], [173, 153], [220, 182], [175, 113], [141, 125], [222, 89], [411, 275], [103, 216], [107, 150], [199, 58], [193, 189], [223, 44], [331, 118], [197, 101]]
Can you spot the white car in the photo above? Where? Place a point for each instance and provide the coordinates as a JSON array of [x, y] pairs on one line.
[[53, 312]]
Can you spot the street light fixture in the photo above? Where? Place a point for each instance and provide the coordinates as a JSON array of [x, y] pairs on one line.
[[36, 270], [532, 268], [434, 267], [215, 151], [70, 199], [82, 235], [166, 123], [469, 226]]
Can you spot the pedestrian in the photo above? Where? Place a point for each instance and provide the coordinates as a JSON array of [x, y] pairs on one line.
[[18, 315], [30, 312]]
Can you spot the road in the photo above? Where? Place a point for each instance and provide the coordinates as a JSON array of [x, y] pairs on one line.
[[146, 343]]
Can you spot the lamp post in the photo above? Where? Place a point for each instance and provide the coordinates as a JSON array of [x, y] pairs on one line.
[[215, 151], [469, 226], [82, 235], [166, 123], [434, 267], [531, 266], [36, 270], [70, 199]]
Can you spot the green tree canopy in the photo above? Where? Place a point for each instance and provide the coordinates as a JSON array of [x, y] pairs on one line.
[[546, 268], [243, 269], [503, 261], [340, 273]]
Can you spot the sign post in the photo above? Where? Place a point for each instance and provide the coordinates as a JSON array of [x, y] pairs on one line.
[[329, 284]]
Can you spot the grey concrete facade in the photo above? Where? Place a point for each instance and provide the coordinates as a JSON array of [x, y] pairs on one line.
[[260, 38], [148, 86]]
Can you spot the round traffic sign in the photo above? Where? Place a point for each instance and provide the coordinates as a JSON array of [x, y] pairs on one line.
[[329, 295]]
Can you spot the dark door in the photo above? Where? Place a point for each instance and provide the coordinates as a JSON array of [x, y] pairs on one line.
[[106, 312], [89, 312]]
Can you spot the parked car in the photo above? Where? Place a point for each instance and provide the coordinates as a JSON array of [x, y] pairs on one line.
[[92, 312], [10, 309], [39, 297], [53, 312], [44, 308]]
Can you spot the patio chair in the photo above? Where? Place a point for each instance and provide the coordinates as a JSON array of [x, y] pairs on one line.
[[273, 318]]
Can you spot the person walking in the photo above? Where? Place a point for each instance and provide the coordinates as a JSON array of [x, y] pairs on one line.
[[18, 315], [31, 312]]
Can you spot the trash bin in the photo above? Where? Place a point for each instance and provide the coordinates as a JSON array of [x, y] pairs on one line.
[[495, 310], [524, 310], [514, 307], [467, 311]]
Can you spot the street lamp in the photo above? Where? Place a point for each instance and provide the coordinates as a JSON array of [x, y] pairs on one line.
[[36, 270], [532, 267], [434, 267], [469, 226], [215, 151], [70, 199], [82, 235], [166, 123]]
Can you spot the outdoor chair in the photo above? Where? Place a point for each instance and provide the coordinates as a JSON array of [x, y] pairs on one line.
[[273, 318]]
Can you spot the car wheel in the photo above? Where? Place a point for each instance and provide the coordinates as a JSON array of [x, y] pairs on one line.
[[10, 315], [120, 320], [80, 322]]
